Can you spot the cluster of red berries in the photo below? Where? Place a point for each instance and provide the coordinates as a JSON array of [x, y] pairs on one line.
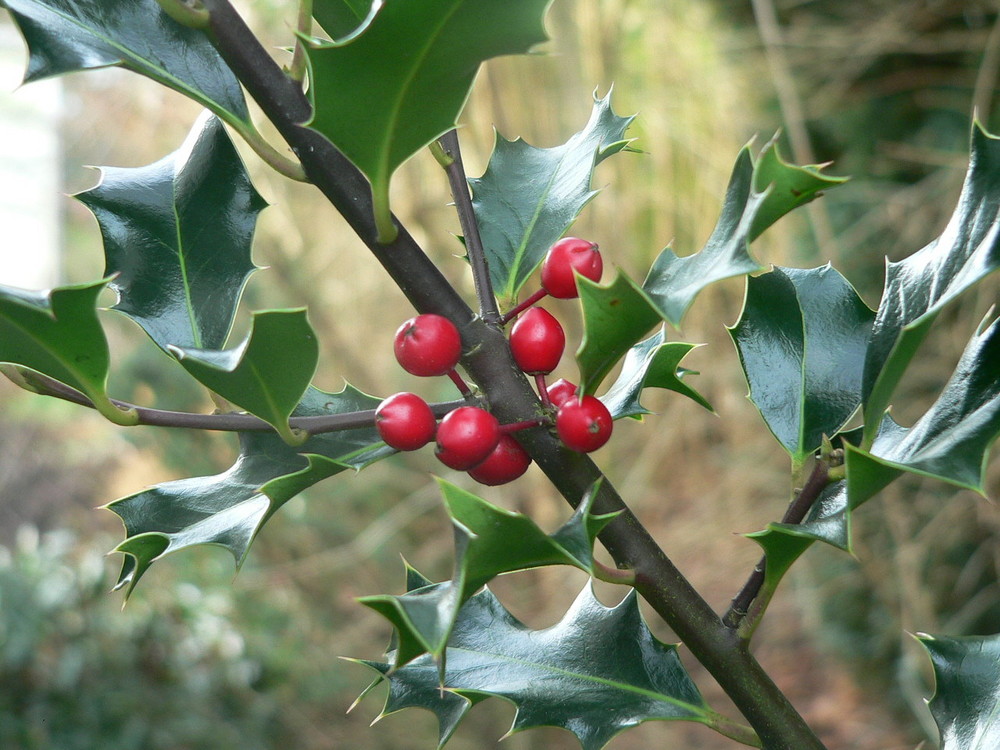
[[470, 438]]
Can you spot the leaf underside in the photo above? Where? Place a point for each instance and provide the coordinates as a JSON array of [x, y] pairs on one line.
[[57, 333], [391, 90]]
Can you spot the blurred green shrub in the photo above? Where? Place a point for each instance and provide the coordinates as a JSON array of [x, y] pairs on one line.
[[76, 673]]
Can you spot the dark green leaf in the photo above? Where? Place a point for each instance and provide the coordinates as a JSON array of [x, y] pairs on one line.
[[229, 509], [616, 315], [758, 195], [489, 541], [388, 92], [529, 196], [340, 18], [650, 364], [69, 35], [919, 287], [266, 374], [57, 333], [177, 237], [966, 702], [596, 673], [951, 440], [802, 340]]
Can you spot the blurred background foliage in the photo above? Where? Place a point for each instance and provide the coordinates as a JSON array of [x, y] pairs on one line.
[[885, 89]]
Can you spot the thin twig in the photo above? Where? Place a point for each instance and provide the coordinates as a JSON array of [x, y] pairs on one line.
[[229, 422], [470, 228], [796, 513], [297, 70]]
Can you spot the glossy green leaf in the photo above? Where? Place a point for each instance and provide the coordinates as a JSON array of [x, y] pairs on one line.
[[802, 339], [341, 18], [653, 363], [966, 702], [489, 541], [57, 333], [951, 440], [388, 92], [177, 238], [759, 193], [69, 35], [529, 196], [266, 374], [596, 673], [616, 316], [919, 287], [229, 509]]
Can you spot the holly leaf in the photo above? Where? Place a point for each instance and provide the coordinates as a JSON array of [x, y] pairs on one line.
[[57, 333], [787, 186], [966, 702], [919, 287], [529, 196], [266, 374], [596, 673], [653, 363], [616, 316], [229, 509], [951, 441], [341, 18], [802, 339], [489, 541], [384, 94], [64, 36], [759, 193], [177, 238]]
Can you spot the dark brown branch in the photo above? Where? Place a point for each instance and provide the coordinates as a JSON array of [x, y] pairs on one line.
[[796, 513]]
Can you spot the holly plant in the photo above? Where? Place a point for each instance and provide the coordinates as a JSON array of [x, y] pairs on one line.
[[365, 86]]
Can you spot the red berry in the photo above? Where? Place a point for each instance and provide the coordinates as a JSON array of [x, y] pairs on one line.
[[567, 255], [584, 424], [560, 390], [466, 436], [428, 345], [506, 463], [405, 422], [537, 341]]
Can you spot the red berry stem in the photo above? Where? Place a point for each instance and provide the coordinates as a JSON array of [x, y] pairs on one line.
[[522, 306], [543, 391], [506, 429], [460, 383]]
